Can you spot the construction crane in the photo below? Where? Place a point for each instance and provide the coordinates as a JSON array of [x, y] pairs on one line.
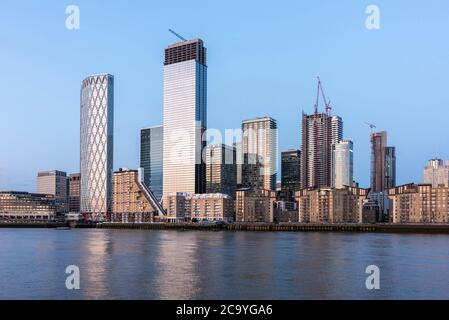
[[372, 126], [177, 35], [327, 104]]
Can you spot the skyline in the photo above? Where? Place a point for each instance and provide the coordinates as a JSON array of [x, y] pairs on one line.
[[259, 91]]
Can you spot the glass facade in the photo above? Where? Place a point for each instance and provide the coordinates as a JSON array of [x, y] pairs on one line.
[[259, 153], [390, 167], [74, 192], [342, 164], [291, 164], [151, 158], [185, 105], [96, 148], [221, 169]]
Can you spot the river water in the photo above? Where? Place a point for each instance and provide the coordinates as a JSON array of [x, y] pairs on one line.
[[166, 264]]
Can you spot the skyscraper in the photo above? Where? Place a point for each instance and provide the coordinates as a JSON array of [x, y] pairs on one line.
[[239, 162], [383, 163], [74, 192], [436, 173], [259, 153], [291, 165], [342, 164], [185, 114], [378, 145], [54, 183], [320, 132], [390, 167], [151, 158], [221, 169], [96, 149]]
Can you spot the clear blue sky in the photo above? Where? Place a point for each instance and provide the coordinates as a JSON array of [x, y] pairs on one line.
[[263, 58]]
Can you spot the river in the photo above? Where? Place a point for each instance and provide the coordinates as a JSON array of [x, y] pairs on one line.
[[166, 264]]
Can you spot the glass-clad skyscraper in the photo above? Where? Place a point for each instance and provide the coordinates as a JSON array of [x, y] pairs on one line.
[[185, 105], [221, 169], [290, 169], [259, 153], [342, 164], [151, 158], [96, 147]]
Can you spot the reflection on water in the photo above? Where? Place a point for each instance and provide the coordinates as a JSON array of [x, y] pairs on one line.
[[134, 264], [178, 266], [97, 246]]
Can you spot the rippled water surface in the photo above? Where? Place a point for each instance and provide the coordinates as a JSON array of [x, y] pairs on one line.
[[134, 264]]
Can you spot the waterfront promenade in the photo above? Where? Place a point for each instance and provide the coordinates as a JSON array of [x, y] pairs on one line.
[[267, 227]]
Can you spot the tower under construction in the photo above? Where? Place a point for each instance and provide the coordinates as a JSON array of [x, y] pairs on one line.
[[320, 132]]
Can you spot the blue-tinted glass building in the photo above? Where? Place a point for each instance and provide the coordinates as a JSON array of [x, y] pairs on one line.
[[151, 158]]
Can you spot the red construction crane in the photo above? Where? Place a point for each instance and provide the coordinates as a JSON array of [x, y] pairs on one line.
[[327, 104]]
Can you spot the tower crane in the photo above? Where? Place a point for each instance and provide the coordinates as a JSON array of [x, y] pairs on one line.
[[372, 126], [177, 35], [327, 104]]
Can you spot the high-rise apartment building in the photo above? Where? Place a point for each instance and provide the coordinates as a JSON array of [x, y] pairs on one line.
[[259, 153], [320, 133], [54, 183], [185, 114], [436, 173], [342, 164], [383, 163], [221, 169], [290, 170], [96, 147], [74, 192], [151, 158]]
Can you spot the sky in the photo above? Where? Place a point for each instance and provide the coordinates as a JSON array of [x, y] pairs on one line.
[[263, 60]]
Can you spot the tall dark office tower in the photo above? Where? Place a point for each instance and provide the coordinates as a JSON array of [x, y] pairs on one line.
[[259, 153], [221, 169], [320, 133], [74, 192], [151, 158], [291, 168], [383, 163], [96, 149], [390, 167], [185, 114]]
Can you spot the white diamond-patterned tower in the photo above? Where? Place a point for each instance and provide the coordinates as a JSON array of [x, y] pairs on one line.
[[96, 147]]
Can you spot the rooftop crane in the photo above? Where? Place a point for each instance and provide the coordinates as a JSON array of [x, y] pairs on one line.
[[327, 104], [372, 126], [177, 35]]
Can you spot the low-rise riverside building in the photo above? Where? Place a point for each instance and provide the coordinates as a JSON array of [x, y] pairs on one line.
[[182, 207], [26, 206], [132, 201], [329, 205], [255, 205], [420, 203]]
